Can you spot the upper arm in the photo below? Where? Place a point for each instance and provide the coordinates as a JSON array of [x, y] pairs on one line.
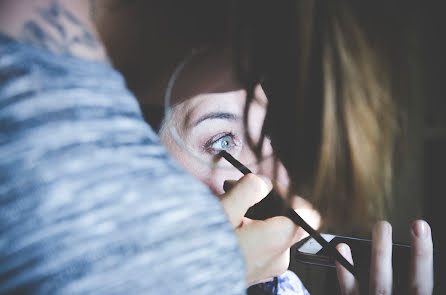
[[60, 26]]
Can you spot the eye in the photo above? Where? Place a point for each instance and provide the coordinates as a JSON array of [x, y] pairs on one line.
[[220, 142], [225, 142]]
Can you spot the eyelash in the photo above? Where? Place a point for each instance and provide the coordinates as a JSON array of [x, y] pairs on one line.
[[207, 147]]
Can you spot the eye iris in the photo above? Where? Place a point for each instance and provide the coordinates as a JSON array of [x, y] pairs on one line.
[[225, 143]]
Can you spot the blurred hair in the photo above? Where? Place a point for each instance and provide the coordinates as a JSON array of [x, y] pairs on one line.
[[331, 116]]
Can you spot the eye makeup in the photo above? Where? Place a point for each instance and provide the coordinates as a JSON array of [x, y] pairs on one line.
[[226, 141], [291, 214]]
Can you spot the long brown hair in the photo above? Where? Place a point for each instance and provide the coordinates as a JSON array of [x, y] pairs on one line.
[[331, 116]]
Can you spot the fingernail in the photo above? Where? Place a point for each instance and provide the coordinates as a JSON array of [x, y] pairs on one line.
[[382, 229], [266, 180], [343, 250], [420, 228]]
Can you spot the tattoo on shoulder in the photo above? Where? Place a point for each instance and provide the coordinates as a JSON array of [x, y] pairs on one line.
[[58, 30]]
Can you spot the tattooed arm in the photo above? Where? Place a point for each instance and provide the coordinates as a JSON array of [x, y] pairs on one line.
[[61, 26]]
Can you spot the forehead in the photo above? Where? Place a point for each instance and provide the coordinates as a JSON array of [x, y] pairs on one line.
[[230, 101]]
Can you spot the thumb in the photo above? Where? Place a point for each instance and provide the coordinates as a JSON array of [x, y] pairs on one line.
[[249, 190]]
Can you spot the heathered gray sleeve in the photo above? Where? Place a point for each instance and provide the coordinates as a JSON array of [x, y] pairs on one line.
[[90, 202]]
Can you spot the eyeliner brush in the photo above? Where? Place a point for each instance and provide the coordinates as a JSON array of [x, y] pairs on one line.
[[291, 214], [242, 168]]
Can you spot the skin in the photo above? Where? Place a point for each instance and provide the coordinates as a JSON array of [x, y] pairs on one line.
[[66, 27], [209, 123]]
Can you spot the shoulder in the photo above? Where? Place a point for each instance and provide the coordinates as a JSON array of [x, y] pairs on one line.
[[78, 160], [61, 26]]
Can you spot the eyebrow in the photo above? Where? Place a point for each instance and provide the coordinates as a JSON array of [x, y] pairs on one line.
[[216, 115]]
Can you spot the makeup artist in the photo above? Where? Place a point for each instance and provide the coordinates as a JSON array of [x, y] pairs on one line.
[[91, 202]]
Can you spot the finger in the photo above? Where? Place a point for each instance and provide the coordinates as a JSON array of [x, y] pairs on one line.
[[266, 261], [347, 281], [283, 233], [276, 234], [381, 263], [421, 273], [311, 216], [280, 263], [276, 265], [249, 190]]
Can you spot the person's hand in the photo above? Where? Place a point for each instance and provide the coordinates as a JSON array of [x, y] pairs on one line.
[[421, 278], [265, 244]]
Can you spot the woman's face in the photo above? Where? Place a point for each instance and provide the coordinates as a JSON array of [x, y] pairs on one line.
[[209, 123], [208, 117]]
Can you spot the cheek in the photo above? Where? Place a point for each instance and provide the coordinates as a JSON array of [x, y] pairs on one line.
[[216, 178], [215, 184], [189, 162], [256, 118], [275, 170], [211, 177]]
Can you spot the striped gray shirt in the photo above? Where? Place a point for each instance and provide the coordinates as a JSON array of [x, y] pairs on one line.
[[90, 202]]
